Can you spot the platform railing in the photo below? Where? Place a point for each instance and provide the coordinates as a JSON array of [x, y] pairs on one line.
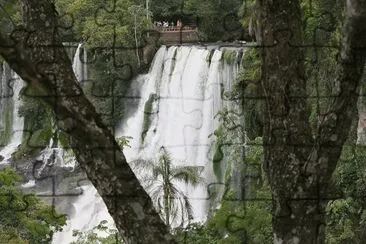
[[174, 28]]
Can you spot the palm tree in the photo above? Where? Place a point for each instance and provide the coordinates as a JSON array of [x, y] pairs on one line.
[[160, 181], [250, 14]]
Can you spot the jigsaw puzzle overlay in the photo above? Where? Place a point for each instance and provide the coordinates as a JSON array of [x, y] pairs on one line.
[[190, 112]]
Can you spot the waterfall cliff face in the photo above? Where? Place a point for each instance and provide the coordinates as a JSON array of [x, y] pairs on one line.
[[11, 124], [79, 63], [177, 103]]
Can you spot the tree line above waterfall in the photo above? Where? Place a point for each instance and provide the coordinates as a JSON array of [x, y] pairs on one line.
[[215, 20], [301, 84]]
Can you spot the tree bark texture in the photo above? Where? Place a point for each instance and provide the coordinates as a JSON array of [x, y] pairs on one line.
[[299, 165], [36, 53]]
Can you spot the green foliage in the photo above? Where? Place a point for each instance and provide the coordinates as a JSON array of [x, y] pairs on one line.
[[109, 84], [38, 119], [228, 55], [172, 203], [251, 219], [41, 137], [243, 157], [6, 118], [164, 9], [148, 111], [251, 65], [248, 85], [63, 138], [218, 156], [93, 236], [114, 37], [250, 17], [196, 233], [254, 217], [228, 149], [101, 25], [323, 22], [216, 20], [346, 216], [24, 218], [124, 141], [9, 16]]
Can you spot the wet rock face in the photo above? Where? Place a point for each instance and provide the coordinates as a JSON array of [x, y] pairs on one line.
[[1, 158], [54, 182], [50, 178]]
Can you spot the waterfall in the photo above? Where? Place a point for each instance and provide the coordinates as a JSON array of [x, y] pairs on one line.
[[87, 209], [173, 105], [187, 84], [11, 124], [79, 63]]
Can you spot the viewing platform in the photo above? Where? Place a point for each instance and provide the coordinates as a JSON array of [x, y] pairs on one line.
[[177, 34]]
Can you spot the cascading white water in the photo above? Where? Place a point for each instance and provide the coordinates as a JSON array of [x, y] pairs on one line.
[[17, 122], [146, 84], [188, 88], [88, 209], [79, 63], [186, 84]]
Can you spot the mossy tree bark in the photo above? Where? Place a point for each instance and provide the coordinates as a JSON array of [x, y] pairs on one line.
[[36, 53], [299, 165]]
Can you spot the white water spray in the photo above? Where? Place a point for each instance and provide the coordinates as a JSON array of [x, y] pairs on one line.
[[88, 209], [79, 63], [17, 122], [189, 88]]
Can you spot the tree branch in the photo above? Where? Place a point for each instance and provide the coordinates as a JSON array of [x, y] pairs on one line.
[[336, 122]]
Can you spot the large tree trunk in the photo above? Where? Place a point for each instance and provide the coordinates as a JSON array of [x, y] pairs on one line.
[[299, 166], [37, 55]]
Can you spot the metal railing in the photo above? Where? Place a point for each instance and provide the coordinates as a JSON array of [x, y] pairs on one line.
[[174, 28]]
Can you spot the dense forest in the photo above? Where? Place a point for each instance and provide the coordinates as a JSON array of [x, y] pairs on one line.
[[297, 144]]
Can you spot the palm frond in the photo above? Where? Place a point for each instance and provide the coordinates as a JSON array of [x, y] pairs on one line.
[[176, 206], [158, 178], [181, 207], [186, 211], [188, 207], [156, 192], [188, 174], [165, 157], [174, 191], [159, 170], [141, 164]]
